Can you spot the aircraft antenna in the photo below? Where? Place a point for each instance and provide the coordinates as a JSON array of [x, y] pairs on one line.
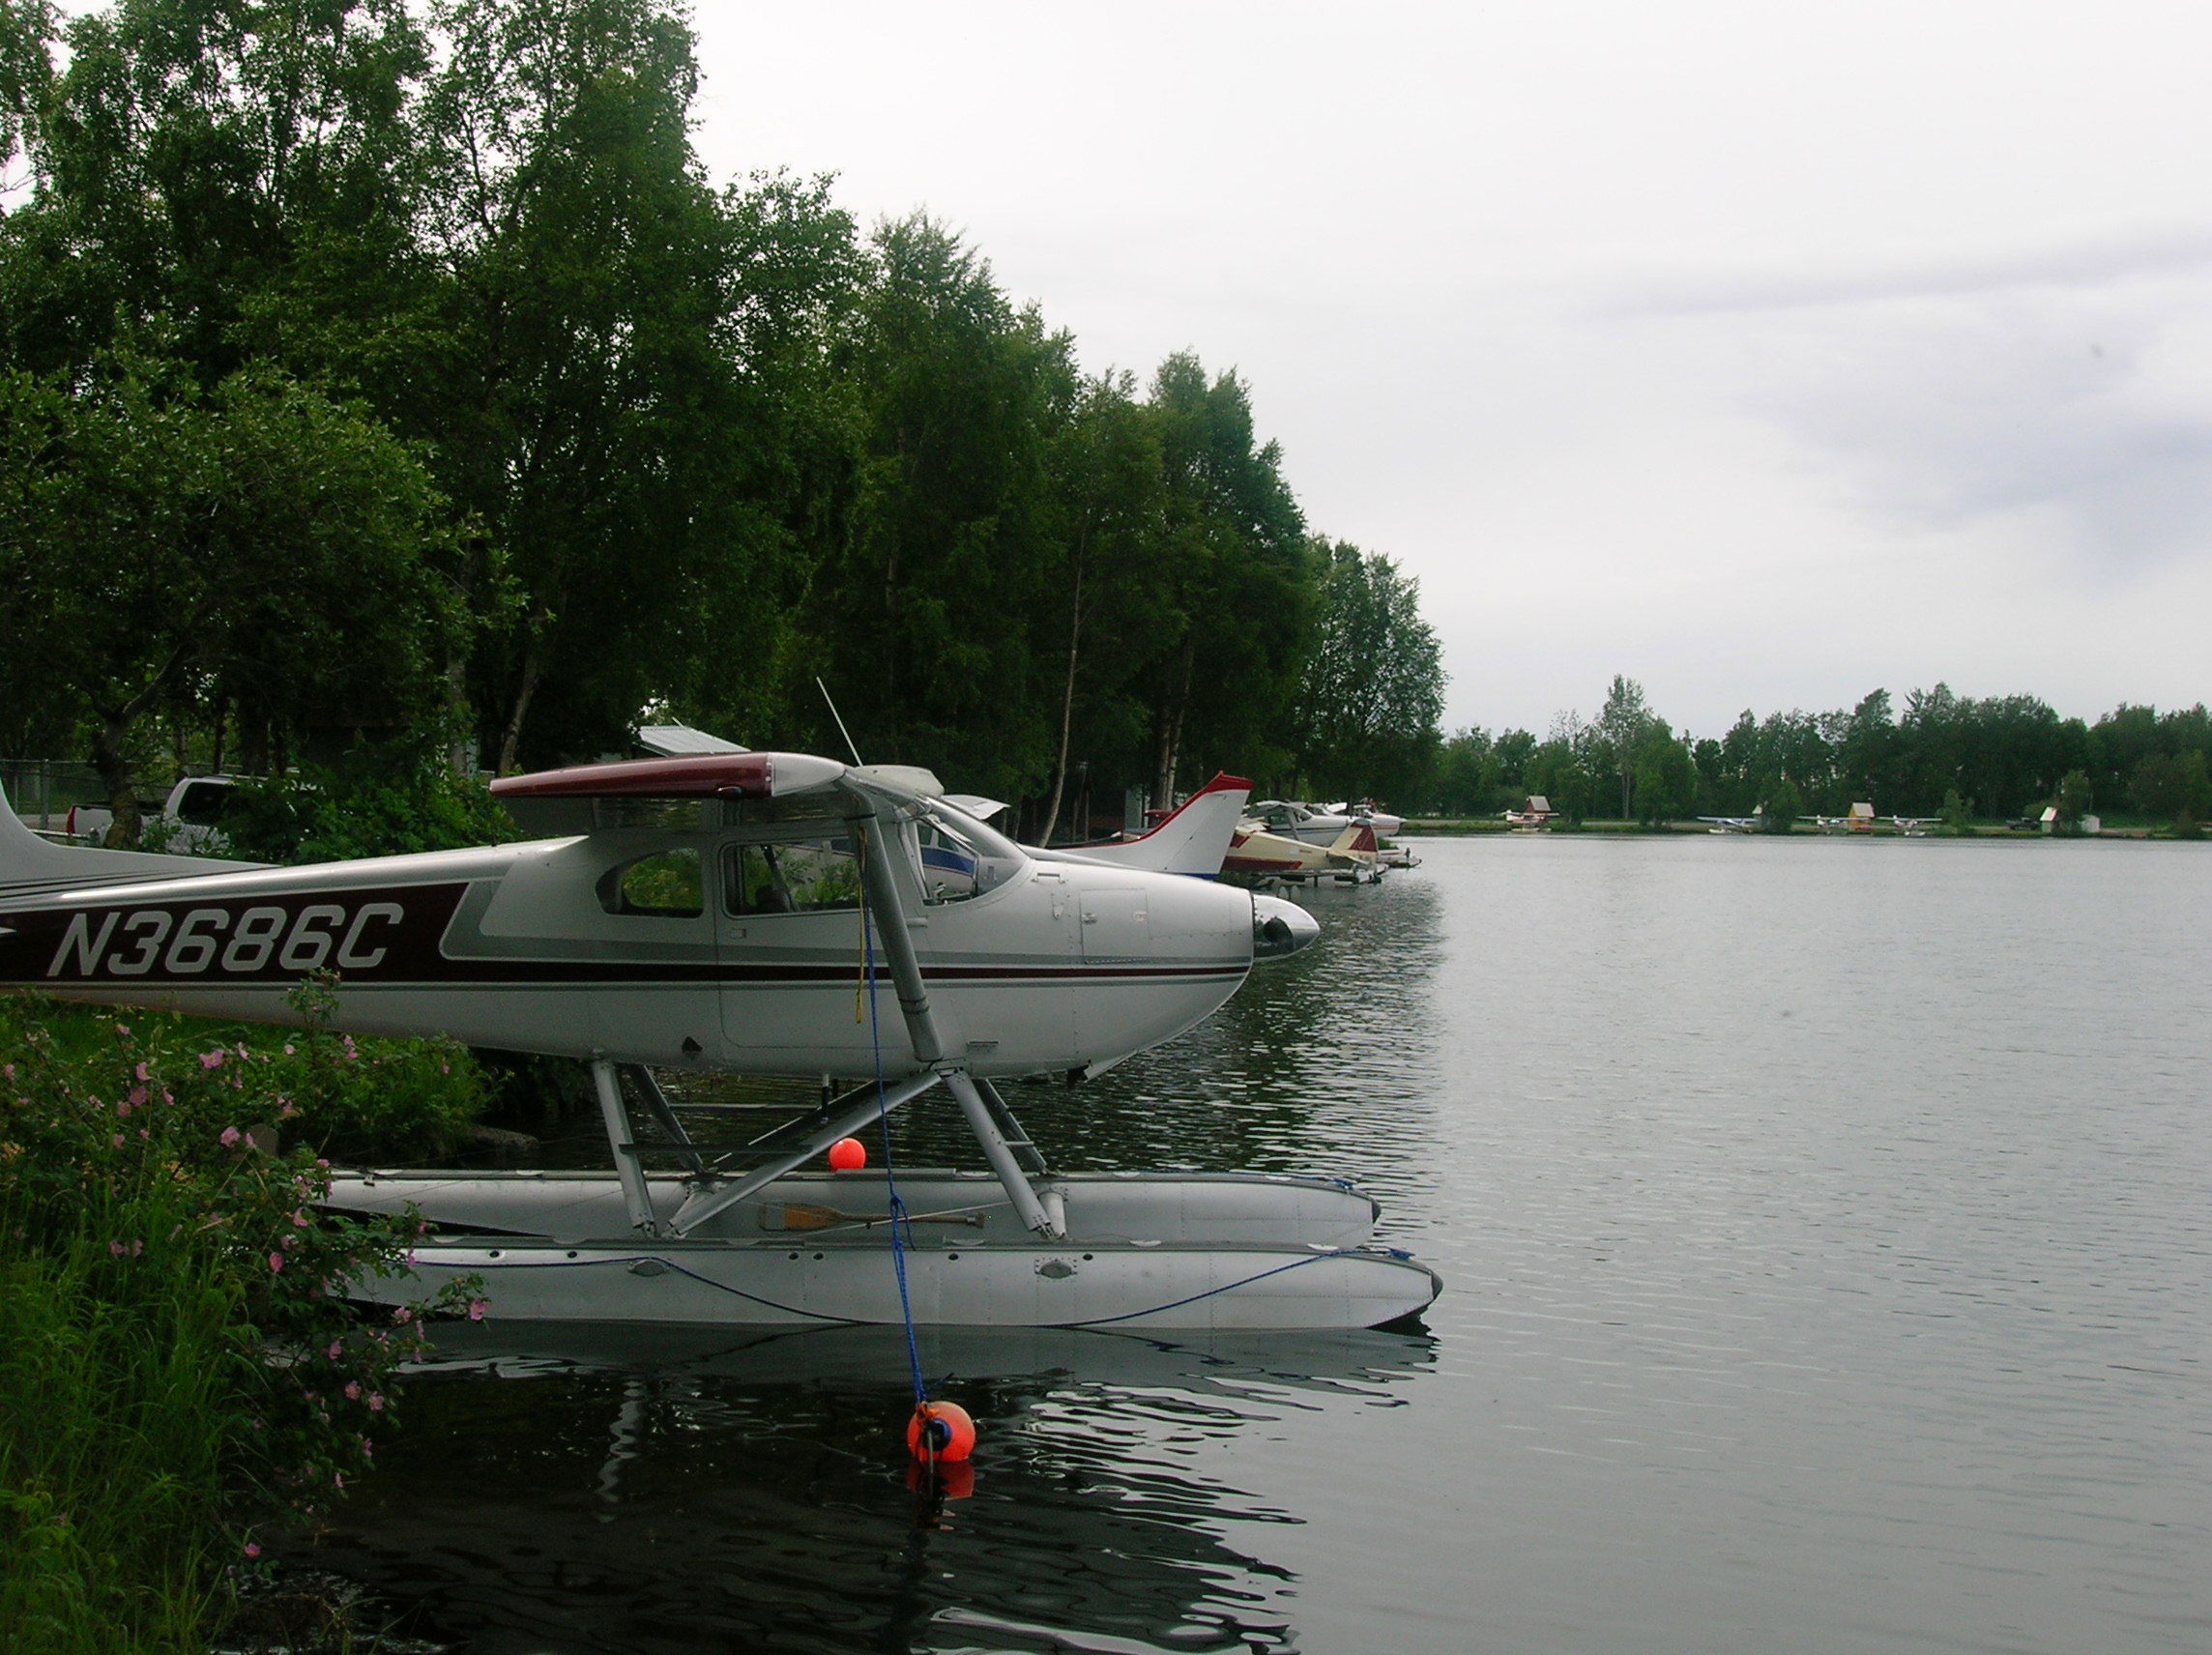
[[839, 716]]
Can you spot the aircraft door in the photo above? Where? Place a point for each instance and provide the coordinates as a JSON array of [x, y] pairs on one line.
[[788, 933], [1115, 925]]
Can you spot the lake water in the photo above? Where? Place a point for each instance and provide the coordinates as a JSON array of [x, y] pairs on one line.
[[1824, 1229]]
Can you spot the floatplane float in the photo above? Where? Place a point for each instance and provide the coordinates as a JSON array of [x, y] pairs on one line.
[[735, 912]]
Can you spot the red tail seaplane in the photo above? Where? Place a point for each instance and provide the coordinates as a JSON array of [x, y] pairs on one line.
[[727, 912]]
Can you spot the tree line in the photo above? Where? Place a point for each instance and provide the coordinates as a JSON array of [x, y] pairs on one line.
[[389, 379], [1942, 754]]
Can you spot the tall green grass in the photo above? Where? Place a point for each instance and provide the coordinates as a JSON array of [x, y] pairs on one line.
[[119, 1398], [178, 1366]]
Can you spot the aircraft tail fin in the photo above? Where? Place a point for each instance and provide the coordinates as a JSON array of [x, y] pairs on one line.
[[1357, 840], [32, 867], [1193, 840]]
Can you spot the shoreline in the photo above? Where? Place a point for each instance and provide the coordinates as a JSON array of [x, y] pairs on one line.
[[1464, 828]]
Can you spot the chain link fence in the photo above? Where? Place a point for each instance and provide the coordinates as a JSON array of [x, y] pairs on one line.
[[41, 791]]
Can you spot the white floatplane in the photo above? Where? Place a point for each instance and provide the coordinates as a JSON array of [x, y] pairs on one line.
[[1536, 814], [728, 912], [1350, 857]]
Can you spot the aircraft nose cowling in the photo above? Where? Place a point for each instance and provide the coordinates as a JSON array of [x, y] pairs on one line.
[[1280, 929]]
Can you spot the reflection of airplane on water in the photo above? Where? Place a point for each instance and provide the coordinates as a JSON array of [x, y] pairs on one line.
[[732, 911], [609, 1487]]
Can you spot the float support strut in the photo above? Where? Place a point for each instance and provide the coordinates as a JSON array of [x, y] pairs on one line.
[[627, 1167], [996, 1150], [840, 1119]]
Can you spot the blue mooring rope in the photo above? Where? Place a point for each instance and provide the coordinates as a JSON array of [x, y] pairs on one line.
[[902, 1232]]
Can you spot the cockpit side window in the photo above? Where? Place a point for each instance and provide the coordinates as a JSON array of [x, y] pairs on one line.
[[792, 876], [667, 884]]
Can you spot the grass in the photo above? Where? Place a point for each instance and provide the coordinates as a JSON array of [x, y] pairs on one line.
[[117, 1402]]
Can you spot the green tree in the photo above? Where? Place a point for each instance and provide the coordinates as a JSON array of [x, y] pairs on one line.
[[1110, 487], [196, 157], [1623, 722], [1373, 685], [1781, 807], [1557, 772], [2173, 787], [589, 352], [928, 617], [1465, 781], [1234, 628], [1957, 813], [153, 540], [2075, 799]]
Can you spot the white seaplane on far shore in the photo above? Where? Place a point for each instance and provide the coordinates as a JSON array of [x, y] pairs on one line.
[[1751, 824], [1859, 819], [733, 912], [1537, 813]]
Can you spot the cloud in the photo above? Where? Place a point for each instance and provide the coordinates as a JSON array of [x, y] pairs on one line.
[[2066, 387], [2096, 260]]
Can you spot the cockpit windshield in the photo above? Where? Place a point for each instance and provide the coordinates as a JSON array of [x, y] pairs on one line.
[[959, 856]]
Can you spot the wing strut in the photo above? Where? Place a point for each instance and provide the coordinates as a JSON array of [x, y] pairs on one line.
[[1004, 1146], [990, 1125]]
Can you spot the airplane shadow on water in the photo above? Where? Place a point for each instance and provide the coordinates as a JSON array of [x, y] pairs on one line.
[[561, 1489]]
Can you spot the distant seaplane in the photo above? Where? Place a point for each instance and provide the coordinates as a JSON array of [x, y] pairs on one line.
[[1352, 856], [1192, 839], [1752, 824], [1538, 812]]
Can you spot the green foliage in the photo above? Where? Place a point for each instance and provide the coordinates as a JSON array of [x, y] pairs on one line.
[[1373, 686], [178, 1365], [258, 544], [1780, 808], [2173, 787], [1557, 770], [2075, 799], [1957, 813], [385, 802]]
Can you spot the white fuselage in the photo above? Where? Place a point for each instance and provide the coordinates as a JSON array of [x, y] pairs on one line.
[[544, 947]]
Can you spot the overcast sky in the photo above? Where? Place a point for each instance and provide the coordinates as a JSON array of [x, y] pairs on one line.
[[1767, 352]]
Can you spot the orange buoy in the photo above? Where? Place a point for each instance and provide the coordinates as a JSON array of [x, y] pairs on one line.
[[848, 1155], [941, 1431]]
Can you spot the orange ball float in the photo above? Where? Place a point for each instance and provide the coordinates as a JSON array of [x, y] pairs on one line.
[[848, 1155], [941, 1431]]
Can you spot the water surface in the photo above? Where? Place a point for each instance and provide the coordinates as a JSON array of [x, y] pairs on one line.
[[1824, 1234]]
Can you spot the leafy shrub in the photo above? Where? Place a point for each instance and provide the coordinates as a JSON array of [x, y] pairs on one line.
[[178, 1362], [383, 802]]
